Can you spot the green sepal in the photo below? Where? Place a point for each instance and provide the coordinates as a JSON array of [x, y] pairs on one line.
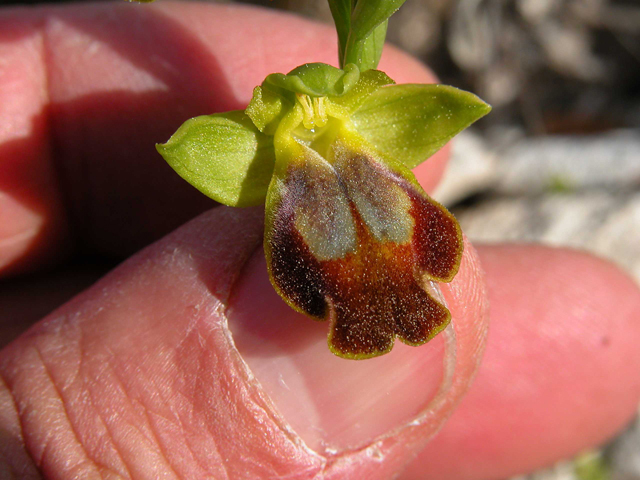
[[224, 156], [315, 79], [411, 122]]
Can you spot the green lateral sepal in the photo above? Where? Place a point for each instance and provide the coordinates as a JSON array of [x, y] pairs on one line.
[[411, 122], [224, 156]]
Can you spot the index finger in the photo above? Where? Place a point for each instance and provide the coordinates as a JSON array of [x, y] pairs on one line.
[[87, 90]]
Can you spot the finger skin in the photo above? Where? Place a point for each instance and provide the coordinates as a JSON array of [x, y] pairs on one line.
[[139, 375], [560, 372], [90, 89], [24, 301], [337, 405], [32, 216], [129, 377], [136, 85]]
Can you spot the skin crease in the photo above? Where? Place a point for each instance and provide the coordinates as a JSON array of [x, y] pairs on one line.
[[137, 377]]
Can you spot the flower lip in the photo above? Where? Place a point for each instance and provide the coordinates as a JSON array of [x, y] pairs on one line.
[[351, 241]]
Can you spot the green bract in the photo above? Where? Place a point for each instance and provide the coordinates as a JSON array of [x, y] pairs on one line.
[[362, 27], [230, 157]]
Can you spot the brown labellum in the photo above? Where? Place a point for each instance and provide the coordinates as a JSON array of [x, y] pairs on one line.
[[354, 241]]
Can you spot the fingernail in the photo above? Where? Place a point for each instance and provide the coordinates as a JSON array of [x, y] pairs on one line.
[[332, 403]]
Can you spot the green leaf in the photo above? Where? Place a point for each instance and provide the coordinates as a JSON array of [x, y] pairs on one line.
[[592, 466], [371, 50], [368, 19], [224, 156], [368, 14], [409, 123]]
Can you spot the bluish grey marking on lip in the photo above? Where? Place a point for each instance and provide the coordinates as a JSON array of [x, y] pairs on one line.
[[322, 214], [382, 203]]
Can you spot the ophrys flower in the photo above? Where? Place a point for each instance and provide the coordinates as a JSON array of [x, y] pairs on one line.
[[350, 236]]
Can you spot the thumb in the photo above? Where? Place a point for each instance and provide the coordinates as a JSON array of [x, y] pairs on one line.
[[183, 363]]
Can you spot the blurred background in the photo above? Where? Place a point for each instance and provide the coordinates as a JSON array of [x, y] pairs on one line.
[[549, 66], [558, 159]]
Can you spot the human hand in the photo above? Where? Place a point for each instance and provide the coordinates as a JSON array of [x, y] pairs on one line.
[[139, 376]]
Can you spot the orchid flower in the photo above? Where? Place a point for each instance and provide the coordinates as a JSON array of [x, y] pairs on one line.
[[350, 236]]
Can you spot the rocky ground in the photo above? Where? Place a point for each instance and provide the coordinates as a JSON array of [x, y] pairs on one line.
[[571, 190]]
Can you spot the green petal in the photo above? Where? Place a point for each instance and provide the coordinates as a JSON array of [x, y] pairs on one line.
[[267, 108], [409, 123], [224, 156], [369, 82]]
